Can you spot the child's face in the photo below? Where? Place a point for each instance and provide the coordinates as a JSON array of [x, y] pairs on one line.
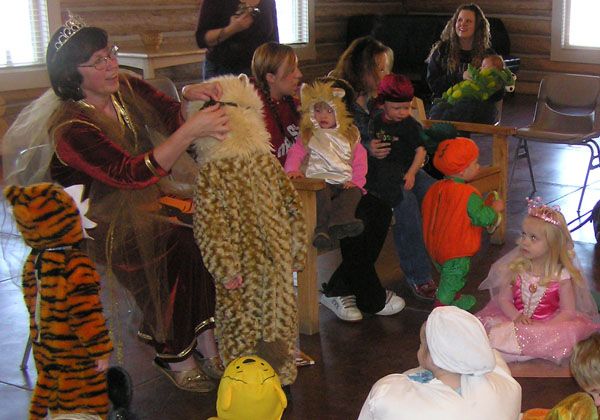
[[325, 115], [490, 63], [533, 243], [396, 111], [471, 171]]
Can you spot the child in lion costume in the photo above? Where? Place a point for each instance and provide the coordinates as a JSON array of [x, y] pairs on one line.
[[249, 226]]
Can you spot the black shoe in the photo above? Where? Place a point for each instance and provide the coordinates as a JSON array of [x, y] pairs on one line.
[[120, 393]]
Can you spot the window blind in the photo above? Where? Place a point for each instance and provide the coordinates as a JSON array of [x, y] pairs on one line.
[[24, 32], [292, 20]]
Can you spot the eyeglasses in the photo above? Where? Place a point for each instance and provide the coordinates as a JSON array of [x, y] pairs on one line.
[[102, 62]]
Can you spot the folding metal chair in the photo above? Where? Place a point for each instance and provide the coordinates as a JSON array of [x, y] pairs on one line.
[[567, 111]]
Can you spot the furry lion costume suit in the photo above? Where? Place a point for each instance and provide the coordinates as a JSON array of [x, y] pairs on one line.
[[248, 222]]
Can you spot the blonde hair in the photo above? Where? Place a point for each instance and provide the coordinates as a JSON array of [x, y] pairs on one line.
[[585, 362], [560, 252], [268, 58]]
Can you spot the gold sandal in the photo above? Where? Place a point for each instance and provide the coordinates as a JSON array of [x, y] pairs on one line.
[[211, 366], [193, 380]]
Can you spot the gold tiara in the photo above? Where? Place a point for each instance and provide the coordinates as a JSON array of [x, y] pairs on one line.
[[73, 25]]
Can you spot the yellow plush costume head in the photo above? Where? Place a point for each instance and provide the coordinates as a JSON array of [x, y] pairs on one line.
[[316, 92], [250, 390]]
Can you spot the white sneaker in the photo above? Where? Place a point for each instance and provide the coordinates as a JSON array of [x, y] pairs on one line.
[[393, 304], [343, 306]]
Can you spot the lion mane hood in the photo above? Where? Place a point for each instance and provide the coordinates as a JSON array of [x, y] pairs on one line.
[[248, 133], [316, 92]]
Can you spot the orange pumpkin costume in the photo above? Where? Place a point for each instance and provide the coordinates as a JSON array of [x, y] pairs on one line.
[[453, 215]]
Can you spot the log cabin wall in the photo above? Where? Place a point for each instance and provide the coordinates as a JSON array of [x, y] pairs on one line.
[[528, 23]]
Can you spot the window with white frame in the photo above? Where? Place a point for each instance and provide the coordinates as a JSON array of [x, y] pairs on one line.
[[25, 29], [575, 34], [24, 33], [295, 20]]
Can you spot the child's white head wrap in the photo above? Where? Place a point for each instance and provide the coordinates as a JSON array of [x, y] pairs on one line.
[[458, 342]]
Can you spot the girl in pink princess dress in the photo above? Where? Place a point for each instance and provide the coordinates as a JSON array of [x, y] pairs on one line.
[[540, 303]]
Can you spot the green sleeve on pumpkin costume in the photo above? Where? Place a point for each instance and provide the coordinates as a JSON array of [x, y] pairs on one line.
[[479, 213]]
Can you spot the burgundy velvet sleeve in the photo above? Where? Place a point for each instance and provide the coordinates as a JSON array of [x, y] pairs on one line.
[[168, 108], [86, 149]]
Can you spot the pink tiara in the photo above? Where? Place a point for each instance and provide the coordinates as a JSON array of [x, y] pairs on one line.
[[536, 208]]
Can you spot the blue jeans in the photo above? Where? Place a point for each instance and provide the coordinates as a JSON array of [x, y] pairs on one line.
[[408, 232]]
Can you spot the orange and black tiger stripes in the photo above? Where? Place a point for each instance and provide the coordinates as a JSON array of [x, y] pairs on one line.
[[45, 215], [69, 333]]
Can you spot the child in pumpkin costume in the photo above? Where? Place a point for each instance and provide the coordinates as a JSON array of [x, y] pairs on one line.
[[454, 214], [249, 226], [330, 147], [71, 344]]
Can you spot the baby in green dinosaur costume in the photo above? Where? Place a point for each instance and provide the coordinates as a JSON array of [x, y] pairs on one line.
[[474, 99]]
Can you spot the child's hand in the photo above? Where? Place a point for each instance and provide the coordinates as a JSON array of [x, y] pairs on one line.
[[409, 181], [523, 319], [379, 149], [234, 283], [498, 205], [295, 175], [102, 364], [349, 184]]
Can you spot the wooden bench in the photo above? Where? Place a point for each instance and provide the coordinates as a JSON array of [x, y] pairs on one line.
[[492, 177]]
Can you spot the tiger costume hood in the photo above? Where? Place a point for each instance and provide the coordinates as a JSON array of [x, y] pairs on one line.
[[47, 215], [312, 94]]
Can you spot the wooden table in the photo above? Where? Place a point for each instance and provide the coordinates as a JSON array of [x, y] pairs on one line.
[[166, 56]]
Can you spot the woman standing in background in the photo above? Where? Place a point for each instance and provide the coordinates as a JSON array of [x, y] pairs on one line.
[[232, 30]]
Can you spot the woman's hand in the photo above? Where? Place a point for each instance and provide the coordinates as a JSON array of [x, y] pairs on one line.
[[239, 23], [210, 122], [295, 175], [202, 91], [234, 283], [379, 149]]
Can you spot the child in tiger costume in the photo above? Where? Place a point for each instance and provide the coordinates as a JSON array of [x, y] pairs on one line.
[[71, 344]]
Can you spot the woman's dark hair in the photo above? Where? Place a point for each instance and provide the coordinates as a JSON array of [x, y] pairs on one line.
[[62, 64], [449, 38], [359, 60]]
